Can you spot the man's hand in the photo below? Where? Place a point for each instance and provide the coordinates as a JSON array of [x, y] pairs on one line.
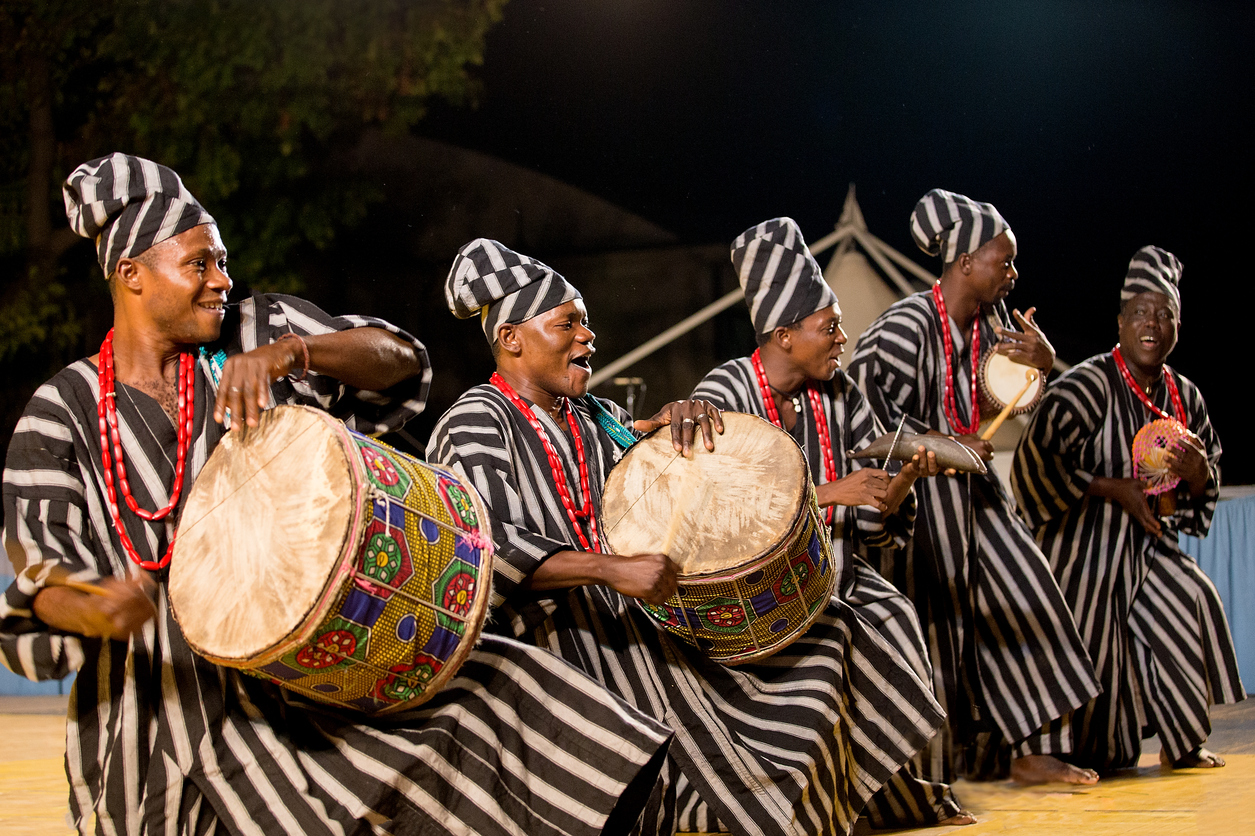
[[1131, 494], [923, 463], [122, 609], [245, 385], [1028, 347], [1188, 462], [684, 416], [649, 577], [982, 448], [867, 486]]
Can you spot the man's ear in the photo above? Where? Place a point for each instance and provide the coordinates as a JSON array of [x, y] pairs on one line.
[[128, 274], [965, 263], [510, 339], [782, 337]]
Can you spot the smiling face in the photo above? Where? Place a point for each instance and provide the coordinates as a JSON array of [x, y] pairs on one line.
[[179, 287], [1148, 331], [991, 269], [816, 343], [554, 349]]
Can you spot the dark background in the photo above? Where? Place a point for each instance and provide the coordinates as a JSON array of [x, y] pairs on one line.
[[1095, 127]]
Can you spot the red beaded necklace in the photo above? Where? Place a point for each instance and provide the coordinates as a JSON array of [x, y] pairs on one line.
[[110, 439], [817, 407], [950, 405], [555, 466], [1177, 406]]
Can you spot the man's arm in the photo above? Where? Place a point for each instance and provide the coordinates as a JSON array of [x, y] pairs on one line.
[[121, 609], [365, 358], [650, 577]]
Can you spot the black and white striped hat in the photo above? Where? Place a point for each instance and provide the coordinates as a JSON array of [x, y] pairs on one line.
[[128, 204], [949, 224], [781, 280], [1154, 269], [502, 286]]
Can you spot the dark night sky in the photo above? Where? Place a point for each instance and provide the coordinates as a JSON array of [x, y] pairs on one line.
[[1095, 127]]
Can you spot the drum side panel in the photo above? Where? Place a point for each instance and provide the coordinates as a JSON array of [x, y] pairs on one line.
[[261, 535], [733, 504]]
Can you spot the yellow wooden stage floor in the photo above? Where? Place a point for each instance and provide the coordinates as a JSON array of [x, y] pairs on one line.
[[1147, 800]]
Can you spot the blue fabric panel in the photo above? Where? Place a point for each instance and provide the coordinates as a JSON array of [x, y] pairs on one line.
[[1227, 555]]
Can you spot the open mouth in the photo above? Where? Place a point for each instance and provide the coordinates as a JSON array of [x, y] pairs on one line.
[[217, 306], [584, 362]]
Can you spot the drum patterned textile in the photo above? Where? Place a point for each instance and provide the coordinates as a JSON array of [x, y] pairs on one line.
[[752, 613], [403, 600], [755, 564]]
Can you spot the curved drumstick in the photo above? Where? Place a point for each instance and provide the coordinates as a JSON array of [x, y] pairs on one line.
[[1029, 377], [60, 576]]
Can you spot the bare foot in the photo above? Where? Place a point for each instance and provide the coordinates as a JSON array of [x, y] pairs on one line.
[[1042, 769], [1200, 758], [961, 817]]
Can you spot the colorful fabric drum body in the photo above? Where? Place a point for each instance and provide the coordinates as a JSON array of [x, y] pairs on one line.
[[331, 564], [742, 525], [1001, 379]]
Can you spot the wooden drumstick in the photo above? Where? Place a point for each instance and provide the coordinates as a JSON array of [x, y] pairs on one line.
[[60, 576], [1029, 377]]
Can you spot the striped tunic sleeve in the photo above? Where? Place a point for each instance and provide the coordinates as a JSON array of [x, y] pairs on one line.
[[1194, 517], [1047, 474], [886, 364], [475, 438], [265, 318], [44, 506]]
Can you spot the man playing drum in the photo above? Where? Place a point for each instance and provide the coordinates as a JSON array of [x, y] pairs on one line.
[[160, 740], [795, 380], [793, 744], [1006, 656], [1151, 619]]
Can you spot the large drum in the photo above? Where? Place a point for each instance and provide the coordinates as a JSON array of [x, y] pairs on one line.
[[331, 564], [742, 525]]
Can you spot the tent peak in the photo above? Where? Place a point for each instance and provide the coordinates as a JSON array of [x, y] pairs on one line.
[[851, 214]]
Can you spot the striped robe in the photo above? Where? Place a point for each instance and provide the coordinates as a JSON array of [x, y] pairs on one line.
[[909, 799], [160, 741], [1007, 659], [793, 744], [1151, 619]]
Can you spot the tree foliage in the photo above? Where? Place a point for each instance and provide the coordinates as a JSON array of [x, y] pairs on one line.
[[258, 105]]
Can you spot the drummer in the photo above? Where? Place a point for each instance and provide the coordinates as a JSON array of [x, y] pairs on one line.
[[784, 746], [795, 381], [1148, 614], [160, 740], [1006, 656]]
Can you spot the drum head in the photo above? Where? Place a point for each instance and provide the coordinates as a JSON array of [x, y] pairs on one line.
[[733, 504], [1002, 379], [262, 531]]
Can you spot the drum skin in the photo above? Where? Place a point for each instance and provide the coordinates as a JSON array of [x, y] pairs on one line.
[[755, 563], [331, 564], [1001, 379]]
